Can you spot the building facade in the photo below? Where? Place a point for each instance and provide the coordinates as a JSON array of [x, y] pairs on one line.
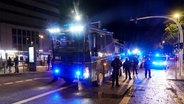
[[23, 23]]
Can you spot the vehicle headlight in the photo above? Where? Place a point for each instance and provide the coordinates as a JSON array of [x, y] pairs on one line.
[[164, 63], [86, 73], [155, 63]]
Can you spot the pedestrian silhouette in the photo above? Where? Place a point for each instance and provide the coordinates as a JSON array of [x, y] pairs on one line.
[[48, 62], [116, 65], [16, 61], [135, 65], [126, 66], [147, 66], [9, 64]]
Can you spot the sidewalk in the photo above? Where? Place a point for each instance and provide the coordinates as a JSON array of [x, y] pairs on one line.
[[173, 73], [23, 69], [115, 92], [106, 93]]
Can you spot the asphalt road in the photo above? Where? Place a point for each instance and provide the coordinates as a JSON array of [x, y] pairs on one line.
[[38, 88], [162, 88]]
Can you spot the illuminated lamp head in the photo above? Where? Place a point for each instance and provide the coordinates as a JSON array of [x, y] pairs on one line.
[[105, 64]]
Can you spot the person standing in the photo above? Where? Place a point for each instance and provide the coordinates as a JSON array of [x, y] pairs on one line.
[[135, 65], [126, 66], [147, 66], [48, 62], [16, 61], [9, 64], [116, 65]]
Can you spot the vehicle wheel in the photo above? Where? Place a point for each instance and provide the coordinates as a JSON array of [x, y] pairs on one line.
[[55, 78]]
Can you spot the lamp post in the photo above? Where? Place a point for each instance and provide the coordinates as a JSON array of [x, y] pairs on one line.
[[78, 28], [177, 17], [180, 35]]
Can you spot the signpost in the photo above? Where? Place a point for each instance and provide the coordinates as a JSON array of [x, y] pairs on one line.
[[32, 59]]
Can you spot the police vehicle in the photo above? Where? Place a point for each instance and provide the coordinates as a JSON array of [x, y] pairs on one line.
[[84, 55], [159, 61]]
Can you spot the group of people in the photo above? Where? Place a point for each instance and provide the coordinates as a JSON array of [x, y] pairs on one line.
[[10, 63], [117, 64], [15, 63], [127, 66]]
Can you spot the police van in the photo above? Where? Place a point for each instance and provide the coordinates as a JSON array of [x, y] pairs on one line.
[[159, 61]]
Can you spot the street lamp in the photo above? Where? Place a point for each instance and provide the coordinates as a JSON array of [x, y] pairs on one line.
[[180, 35], [177, 16], [41, 36], [163, 41], [78, 17]]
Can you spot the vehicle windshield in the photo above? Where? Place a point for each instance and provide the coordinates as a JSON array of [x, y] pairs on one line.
[[68, 43], [69, 47]]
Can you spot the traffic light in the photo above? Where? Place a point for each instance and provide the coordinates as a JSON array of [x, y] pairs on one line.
[[176, 45]]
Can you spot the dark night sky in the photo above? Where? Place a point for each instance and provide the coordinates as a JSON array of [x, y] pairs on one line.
[[115, 15]]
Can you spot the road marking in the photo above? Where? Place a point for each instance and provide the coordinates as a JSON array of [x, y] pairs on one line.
[[35, 78], [41, 95], [41, 78], [126, 99], [27, 80], [44, 78], [9, 83], [19, 81]]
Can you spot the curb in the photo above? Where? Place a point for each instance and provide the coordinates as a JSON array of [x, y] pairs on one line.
[[116, 95], [15, 74], [117, 92], [10, 74], [179, 79]]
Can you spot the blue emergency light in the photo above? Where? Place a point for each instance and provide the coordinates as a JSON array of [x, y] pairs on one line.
[[78, 73], [56, 70]]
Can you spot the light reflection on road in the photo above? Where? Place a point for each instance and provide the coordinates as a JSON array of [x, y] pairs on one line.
[[151, 90]]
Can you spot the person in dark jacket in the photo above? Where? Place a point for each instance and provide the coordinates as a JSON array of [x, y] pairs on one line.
[[126, 66], [48, 62], [16, 61], [116, 65], [9, 64], [135, 65], [147, 66]]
